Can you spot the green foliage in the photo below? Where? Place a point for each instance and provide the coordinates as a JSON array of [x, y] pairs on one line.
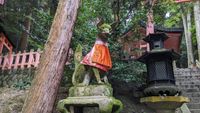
[[85, 29], [67, 75], [41, 23], [22, 84], [13, 15], [128, 71], [130, 13]]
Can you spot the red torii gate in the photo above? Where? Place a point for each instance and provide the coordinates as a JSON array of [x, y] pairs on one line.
[[5, 42]]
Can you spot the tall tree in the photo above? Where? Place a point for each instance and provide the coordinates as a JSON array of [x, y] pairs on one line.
[[23, 43], [45, 85], [186, 17], [197, 24]]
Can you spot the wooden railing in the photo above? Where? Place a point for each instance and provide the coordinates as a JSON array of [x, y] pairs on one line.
[[20, 60], [24, 59]]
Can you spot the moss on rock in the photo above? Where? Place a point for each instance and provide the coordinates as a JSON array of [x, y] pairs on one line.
[[91, 90]]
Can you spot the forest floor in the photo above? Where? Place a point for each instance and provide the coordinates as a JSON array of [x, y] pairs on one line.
[[11, 100]]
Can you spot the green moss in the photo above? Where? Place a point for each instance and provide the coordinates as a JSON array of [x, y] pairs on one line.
[[118, 106], [106, 108], [91, 90], [106, 104]]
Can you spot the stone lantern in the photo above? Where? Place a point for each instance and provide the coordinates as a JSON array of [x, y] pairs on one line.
[[161, 93], [160, 75]]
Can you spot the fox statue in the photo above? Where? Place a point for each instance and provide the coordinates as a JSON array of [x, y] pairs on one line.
[[98, 60]]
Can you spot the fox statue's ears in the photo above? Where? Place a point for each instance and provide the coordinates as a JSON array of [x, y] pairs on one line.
[[105, 27]]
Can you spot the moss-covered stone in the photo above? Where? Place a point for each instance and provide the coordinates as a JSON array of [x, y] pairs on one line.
[[105, 104], [91, 90], [163, 104]]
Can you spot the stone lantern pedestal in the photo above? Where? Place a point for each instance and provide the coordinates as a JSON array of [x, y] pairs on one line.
[[90, 99], [166, 104]]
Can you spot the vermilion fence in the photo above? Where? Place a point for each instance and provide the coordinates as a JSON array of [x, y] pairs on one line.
[[20, 60], [24, 60]]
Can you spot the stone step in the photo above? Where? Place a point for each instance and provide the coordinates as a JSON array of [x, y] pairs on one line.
[[195, 100], [193, 106], [193, 94], [195, 110]]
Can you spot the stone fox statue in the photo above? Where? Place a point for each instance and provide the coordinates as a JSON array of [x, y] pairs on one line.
[[96, 61]]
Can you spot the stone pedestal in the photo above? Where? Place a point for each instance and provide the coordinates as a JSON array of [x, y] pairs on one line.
[[162, 89], [166, 104], [98, 97], [91, 90]]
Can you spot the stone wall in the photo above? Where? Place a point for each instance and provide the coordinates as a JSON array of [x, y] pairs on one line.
[[188, 80], [16, 77]]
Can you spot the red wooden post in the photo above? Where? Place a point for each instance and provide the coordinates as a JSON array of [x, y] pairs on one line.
[[150, 25], [16, 64], [8, 44], [5, 62], [37, 57], [145, 46], [11, 49], [31, 58], [10, 59], [23, 59], [5, 42]]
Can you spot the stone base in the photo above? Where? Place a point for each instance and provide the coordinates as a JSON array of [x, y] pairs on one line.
[[166, 104], [91, 90], [104, 103], [90, 99], [162, 89]]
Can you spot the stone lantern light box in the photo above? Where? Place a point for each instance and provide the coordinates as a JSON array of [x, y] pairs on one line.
[[160, 75]]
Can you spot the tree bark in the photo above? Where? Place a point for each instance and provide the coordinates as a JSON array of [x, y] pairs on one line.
[[197, 24], [187, 27], [23, 43], [42, 95]]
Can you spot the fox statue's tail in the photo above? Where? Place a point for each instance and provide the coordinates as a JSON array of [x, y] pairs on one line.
[[79, 70]]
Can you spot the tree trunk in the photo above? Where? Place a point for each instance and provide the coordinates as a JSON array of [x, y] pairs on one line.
[[187, 27], [197, 24], [42, 95], [24, 37]]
